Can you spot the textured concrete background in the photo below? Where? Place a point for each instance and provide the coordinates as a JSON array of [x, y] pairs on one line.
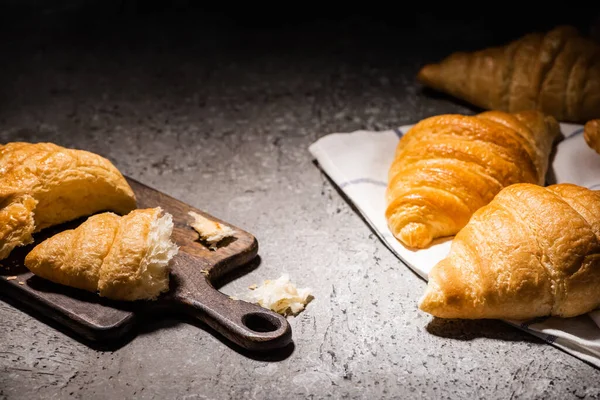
[[218, 111]]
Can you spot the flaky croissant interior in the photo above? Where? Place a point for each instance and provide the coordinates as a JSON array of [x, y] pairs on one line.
[[154, 277], [122, 258]]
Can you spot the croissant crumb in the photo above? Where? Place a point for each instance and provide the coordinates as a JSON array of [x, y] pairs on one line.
[[281, 296], [211, 232]]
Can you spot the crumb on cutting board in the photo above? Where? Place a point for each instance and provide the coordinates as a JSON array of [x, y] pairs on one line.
[[11, 278], [210, 231], [21, 283], [281, 296]]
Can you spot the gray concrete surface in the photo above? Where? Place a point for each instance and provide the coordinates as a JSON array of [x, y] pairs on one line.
[[222, 121]]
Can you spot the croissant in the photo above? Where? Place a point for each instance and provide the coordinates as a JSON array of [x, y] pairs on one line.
[[591, 134], [533, 251], [557, 73], [43, 184], [447, 166], [120, 257]]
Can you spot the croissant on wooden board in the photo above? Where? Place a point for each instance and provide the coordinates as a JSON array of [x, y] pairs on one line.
[[120, 257], [448, 166], [557, 72], [43, 184], [533, 251], [591, 134]]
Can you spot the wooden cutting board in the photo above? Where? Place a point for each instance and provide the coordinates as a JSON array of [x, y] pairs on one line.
[[191, 292]]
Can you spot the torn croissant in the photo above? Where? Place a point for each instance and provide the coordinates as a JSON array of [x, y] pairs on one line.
[[43, 184], [281, 296], [210, 231], [121, 258], [448, 166], [591, 134], [557, 72], [532, 252]]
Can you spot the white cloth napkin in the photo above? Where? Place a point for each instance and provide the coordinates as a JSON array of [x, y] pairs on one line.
[[358, 163]]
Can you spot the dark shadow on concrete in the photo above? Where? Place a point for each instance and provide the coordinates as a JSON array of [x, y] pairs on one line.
[[160, 320], [440, 96], [111, 343], [236, 273], [467, 330]]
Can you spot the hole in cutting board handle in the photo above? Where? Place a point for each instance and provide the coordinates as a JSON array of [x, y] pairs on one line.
[[261, 322]]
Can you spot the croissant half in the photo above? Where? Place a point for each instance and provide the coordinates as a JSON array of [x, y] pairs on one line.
[[121, 258], [533, 251], [557, 72], [43, 184], [448, 166]]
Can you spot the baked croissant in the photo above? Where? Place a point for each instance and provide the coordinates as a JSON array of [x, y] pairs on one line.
[[44, 184], [557, 73], [533, 251], [121, 258], [591, 133], [448, 166]]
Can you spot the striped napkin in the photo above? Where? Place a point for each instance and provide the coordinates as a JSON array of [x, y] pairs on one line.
[[358, 163]]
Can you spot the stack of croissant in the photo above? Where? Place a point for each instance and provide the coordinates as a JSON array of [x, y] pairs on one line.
[[122, 253], [520, 249]]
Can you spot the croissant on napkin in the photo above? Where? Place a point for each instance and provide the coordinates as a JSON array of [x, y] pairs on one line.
[[448, 166], [533, 251], [43, 184], [557, 72], [121, 258]]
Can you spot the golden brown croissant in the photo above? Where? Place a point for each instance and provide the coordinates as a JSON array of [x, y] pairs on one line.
[[591, 133], [123, 258], [44, 184], [557, 73], [533, 251], [448, 166]]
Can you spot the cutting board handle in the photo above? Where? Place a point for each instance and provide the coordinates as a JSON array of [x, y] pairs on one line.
[[246, 324]]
